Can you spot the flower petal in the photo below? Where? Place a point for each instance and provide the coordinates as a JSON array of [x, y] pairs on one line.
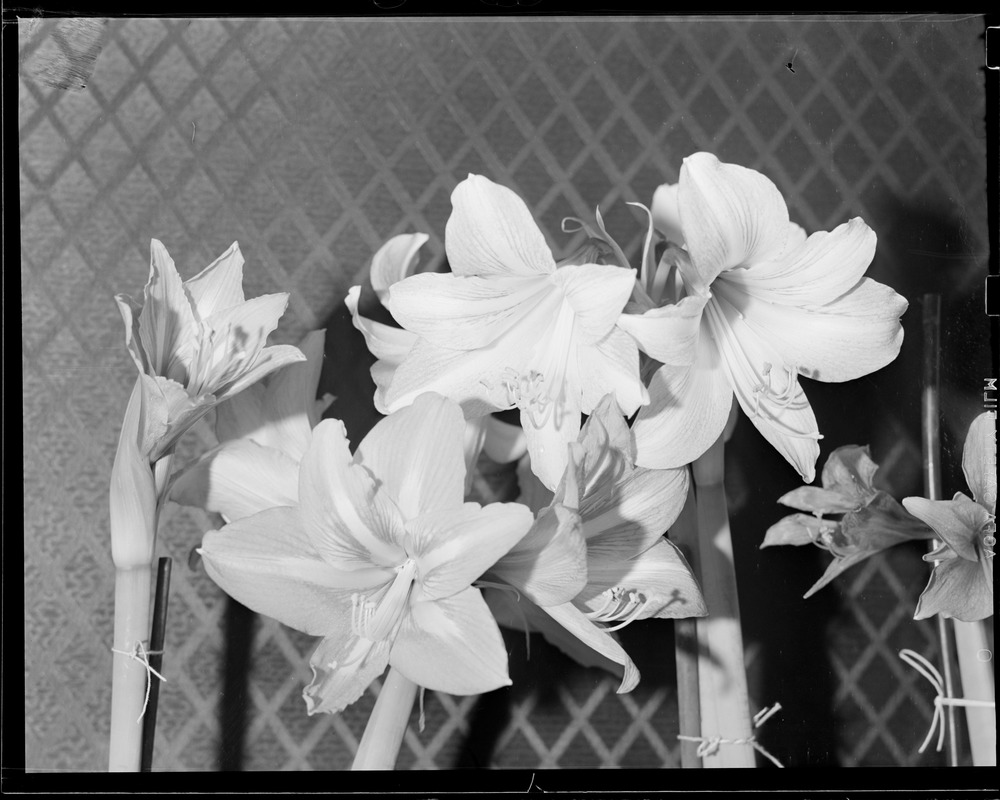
[[455, 545], [237, 338], [667, 213], [594, 637], [241, 416], [839, 565], [504, 443], [343, 668], [533, 493], [131, 312], [879, 525], [818, 501], [854, 335], [291, 398], [167, 320], [473, 378], [393, 261], [219, 285], [606, 429], [452, 645], [597, 294], [267, 563], [472, 447], [239, 479], [508, 606], [491, 232], [550, 563], [169, 412], [548, 441], [280, 416], [270, 359], [348, 521], [249, 323], [466, 313], [632, 517], [796, 237], [688, 409], [769, 395], [825, 267], [959, 589], [611, 367], [850, 472], [957, 521], [661, 576], [418, 455], [163, 402], [979, 460], [387, 343], [520, 614], [796, 529], [668, 333], [731, 216]]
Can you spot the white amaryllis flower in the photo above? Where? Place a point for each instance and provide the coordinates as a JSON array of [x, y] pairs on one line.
[[627, 570], [263, 432], [378, 558], [743, 302], [197, 342], [395, 260], [508, 329], [961, 585]]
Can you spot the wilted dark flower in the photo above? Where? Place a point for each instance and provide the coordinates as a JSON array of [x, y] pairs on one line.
[[871, 520]]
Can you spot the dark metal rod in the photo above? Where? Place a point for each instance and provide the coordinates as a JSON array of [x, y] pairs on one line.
[[233, 708], [156, 638]]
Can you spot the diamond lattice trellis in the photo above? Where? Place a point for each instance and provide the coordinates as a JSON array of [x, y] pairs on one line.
[[311, 142]]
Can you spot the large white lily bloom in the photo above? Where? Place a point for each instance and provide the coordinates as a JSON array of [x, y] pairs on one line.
[[197, 342], [752, 305], [395, 260], [378, 558], [264, 432], [508, 329], [628, 570]]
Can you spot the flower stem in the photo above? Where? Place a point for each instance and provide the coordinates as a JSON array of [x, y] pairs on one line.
[[383, 735], [977, 684], [722, 679], [128, 682], [931, 446], [970, 637], [684, 534]]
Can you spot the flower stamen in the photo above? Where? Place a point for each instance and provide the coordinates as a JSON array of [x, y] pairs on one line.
[[620, 607], [531, 392], [612, 597], [375, 617], [764, 388]]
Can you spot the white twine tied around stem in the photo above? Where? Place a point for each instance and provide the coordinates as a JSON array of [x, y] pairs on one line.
[[709, 745], [141, 654], [929, 671]]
